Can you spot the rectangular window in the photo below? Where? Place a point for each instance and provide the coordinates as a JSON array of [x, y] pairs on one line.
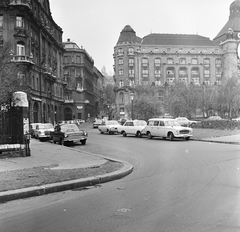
[[182, 60], [121, 83], [131, 62], [120, 72], [169, 60], [157, 73], [1, 20], [20, 50], [206, 73], [130, 51], [78, 59], [145, 73], [157, 62], [131, 73], [194, 61], [120, 52], [120, 61], [19, 22], [144, 62]]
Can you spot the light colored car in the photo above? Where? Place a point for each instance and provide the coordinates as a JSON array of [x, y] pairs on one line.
[[166, 128], [33, 129], [68, 133], [109, 126], [236, 119], [183, 121], [132, 127], [97, 122], [43, 131]]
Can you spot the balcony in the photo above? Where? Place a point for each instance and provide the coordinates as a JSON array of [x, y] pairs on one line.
[[26, 3], [22, 59], [20, 32], [48, 72]]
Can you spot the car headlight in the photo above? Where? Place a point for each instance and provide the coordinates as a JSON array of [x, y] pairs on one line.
[[65, 135], [177, 132]]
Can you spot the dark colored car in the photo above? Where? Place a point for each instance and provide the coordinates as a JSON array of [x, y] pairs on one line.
[[68, 133]]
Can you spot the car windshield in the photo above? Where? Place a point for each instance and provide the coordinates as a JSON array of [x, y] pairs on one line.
[[69, 128], [172, 123], [112, 123], [140, 123], [45, 126]]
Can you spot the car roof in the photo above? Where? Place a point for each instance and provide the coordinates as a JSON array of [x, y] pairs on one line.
[[163, 119]]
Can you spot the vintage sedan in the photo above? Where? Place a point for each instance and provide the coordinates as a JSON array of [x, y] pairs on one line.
[[43, 130], [97, 122], [132, 127], [183, 121], [109, 126], [65, 133]]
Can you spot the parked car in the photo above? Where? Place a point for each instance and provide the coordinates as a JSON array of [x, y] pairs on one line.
[[33, 129], [43, 131], [214, 118], [236, 119], [68, 133], [183, 121], [109, 126], [97, 122], [166, 128], [133, 127]]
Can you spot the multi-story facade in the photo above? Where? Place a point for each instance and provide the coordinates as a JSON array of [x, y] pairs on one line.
[[83, 92], [36, 43], [164, 59]]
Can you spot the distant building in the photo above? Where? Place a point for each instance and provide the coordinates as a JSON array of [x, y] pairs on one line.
[[83, 90], [161, 60]]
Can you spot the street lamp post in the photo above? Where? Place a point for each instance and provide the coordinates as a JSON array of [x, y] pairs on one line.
[[132, 96]]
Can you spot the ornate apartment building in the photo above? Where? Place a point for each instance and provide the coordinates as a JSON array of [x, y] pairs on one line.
[[164, 59], [36, 43], [83, 93]]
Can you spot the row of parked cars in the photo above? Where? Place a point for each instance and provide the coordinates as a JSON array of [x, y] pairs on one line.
[[64, 132], [155, 127]]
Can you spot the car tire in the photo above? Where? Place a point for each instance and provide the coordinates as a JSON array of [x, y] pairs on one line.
[[83, 142], [149, 135], [187, 138], [109, 132], [54, 141], [124, 134], [101, 132], [61, 142], [171, 136], [139, 134]]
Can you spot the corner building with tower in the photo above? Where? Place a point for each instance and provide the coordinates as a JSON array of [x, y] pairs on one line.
[[161, 60]]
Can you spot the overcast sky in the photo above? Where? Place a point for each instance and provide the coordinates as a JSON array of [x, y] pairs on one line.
[[96, 24]]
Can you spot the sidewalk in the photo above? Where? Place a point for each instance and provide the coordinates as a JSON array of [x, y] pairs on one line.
[[61, 157]]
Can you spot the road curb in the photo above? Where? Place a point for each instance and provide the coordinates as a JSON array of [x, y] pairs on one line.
[[214, 141], [65, 185]]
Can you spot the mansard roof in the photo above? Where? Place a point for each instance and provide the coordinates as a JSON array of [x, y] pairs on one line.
[[176, 39], [233, 21], [128, 35]]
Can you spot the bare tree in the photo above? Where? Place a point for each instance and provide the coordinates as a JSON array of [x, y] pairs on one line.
[[10, 79]]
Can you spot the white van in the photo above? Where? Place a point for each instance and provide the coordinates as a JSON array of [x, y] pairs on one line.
[[166, 128]]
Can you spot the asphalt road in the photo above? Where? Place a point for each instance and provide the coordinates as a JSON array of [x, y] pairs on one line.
[[175, 186]]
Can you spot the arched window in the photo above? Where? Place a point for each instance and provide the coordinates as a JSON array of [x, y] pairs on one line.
[[121, 98]]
